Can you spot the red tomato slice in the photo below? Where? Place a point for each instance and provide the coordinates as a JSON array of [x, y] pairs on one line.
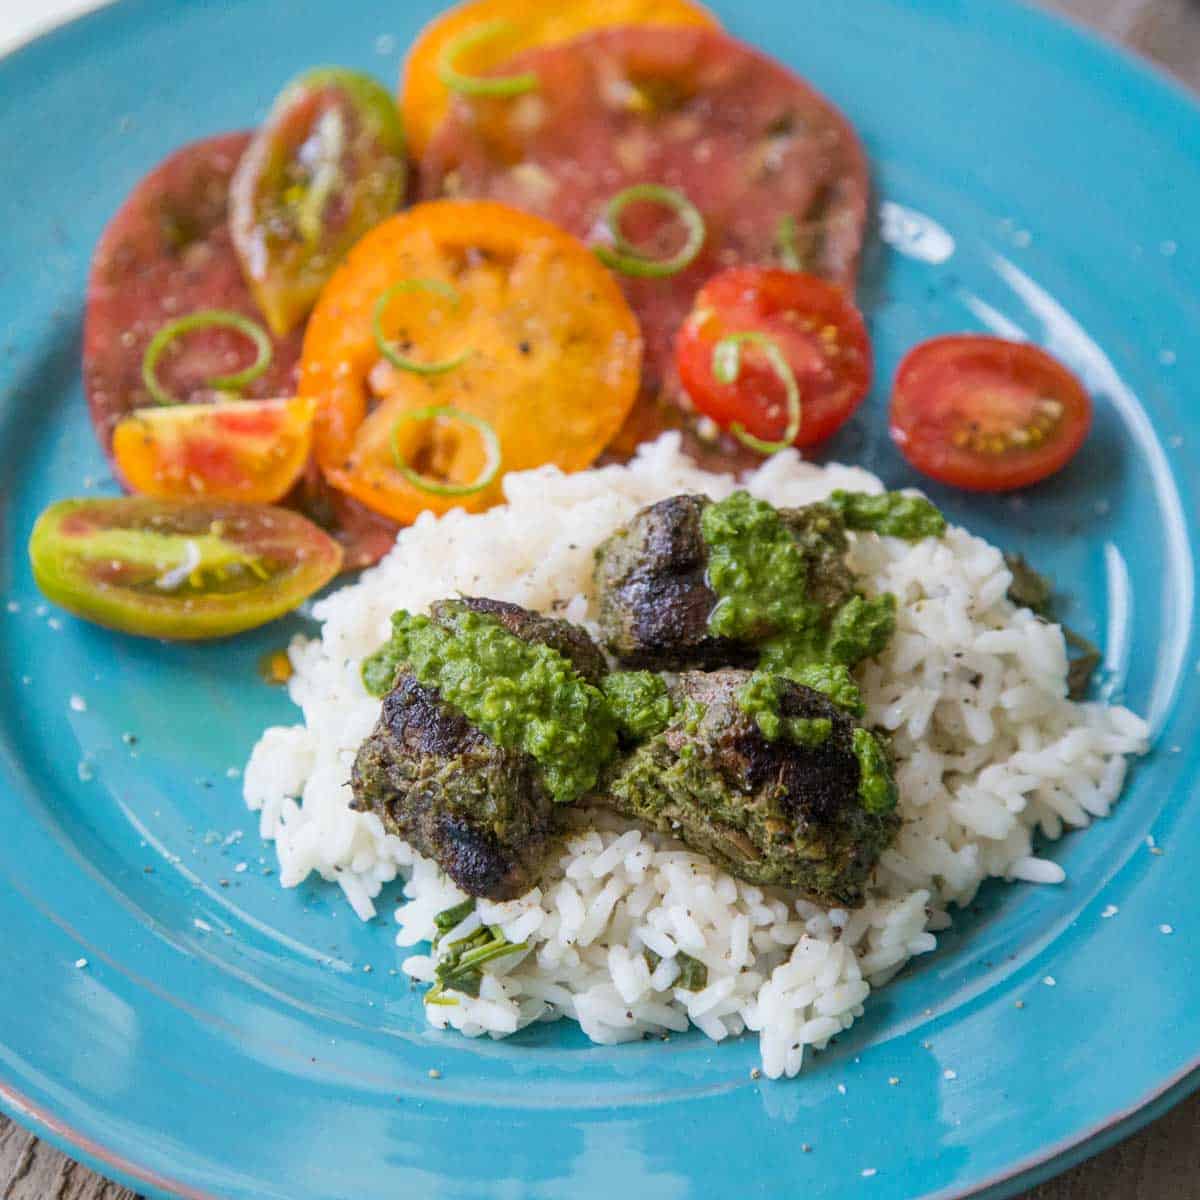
[[252, 450], [816, 327], [985, 414]]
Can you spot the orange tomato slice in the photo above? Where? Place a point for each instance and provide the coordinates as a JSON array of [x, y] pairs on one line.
[[545, 349], [248, 450], [520, 25]]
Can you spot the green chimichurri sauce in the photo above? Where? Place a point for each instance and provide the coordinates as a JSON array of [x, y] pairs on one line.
[[761, 576], [524, 696], [760, 698], [892, 514], [639, 702], [763, 579], [876, 787], [835, 680]]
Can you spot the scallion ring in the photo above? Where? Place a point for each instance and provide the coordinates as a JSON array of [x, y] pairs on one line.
[[477, 85], [438, 288], [209, 318], [727, 366], [785, 238], [438, 487], [627, 258]]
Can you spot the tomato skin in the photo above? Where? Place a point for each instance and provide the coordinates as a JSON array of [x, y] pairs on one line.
[[285, 261], [178, 571], [251, 450], [985, 414], [814, 324]]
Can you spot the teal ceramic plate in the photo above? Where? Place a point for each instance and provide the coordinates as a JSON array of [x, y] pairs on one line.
[[229, 1040]]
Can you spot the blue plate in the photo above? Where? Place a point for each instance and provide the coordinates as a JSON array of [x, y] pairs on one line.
[[230, 1039]]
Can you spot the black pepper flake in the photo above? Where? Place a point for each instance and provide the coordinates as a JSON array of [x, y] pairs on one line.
[[524, 347]]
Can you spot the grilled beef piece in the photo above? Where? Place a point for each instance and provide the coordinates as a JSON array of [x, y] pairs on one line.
[[481, 811], [770, 812], [654, 596], [436, 780]]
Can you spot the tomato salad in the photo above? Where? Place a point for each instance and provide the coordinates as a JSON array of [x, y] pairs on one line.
[[574, 228]]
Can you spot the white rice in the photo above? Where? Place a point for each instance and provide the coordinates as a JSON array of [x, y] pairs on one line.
[[989, 751]]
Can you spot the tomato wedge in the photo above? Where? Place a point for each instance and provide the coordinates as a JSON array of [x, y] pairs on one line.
[[180, 571], [461, 340], [327, 166], [774, 314], [986, 414], [481, 35], [251, 450]]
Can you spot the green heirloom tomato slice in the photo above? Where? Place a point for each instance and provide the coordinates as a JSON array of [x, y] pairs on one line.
[[328, 165], [178, 569]]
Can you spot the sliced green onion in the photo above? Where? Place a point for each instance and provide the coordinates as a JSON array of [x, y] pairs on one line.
[[625, 257], [785, 238], [439, 487], [727, 366], [475, 85], [450, 918], [390, 352], [209, 318]]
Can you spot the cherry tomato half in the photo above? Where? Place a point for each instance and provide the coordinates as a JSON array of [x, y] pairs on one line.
[[986, 414], [817, 330], [251, 450], [181, 570]]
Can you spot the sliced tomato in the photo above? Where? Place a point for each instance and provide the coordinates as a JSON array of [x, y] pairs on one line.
[[327, 166], [986, 414], [816, 328], [178, 570], [251, 450], [500, 316], [498, 29]]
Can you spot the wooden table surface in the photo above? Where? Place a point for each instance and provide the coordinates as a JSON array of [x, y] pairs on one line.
[[1160, 1163]]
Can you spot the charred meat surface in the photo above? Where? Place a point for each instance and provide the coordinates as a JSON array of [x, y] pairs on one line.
[[655, 597], [784, 812], [481, 811]]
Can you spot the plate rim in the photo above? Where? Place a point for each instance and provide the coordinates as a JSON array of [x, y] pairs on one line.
[[1003, 1184]]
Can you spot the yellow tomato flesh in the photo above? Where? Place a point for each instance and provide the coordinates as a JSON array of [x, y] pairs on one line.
[[549, 352]]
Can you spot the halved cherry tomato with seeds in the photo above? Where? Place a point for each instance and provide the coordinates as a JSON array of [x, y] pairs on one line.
[[807, 322], [252, 450], [327, 166], [473, 39], [545, 356], [986, 414], [180, 571]]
